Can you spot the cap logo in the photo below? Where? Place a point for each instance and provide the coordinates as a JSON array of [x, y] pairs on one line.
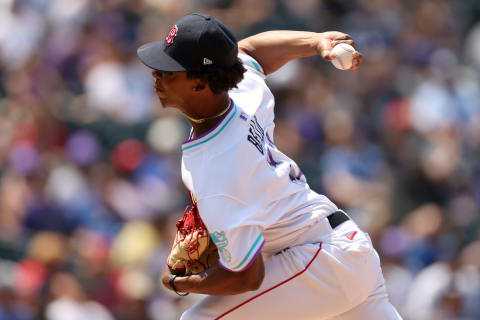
[[172, 34], [207, 61]]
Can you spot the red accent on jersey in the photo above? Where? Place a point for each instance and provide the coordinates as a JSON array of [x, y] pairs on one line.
[[350, 237]]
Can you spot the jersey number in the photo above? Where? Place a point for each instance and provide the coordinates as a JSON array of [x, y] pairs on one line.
[[275, 159], [278, 161]]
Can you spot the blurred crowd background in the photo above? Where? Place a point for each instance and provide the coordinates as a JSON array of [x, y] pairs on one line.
[[90, 183]]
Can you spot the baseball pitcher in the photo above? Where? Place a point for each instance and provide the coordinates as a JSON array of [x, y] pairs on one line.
[[256, 239]]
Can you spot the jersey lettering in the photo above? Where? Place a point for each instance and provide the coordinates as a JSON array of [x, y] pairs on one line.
[[279, 161], [256, 136], [221, 241]]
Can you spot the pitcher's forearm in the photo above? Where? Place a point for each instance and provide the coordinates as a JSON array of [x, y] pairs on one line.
[[218, 281], [214, 281], [273, 49]]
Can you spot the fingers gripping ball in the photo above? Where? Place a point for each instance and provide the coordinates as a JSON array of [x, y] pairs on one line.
[[192, 251], [343, 54]]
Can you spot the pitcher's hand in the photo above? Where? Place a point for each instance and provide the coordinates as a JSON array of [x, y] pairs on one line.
[[328, 40]]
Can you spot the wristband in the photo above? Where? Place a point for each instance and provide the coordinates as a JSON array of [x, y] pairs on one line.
[[172, 279]]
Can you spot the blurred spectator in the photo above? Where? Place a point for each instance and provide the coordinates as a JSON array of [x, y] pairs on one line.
[[69, 301]]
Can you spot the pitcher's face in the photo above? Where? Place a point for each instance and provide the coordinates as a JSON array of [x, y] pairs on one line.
[[174, 89]]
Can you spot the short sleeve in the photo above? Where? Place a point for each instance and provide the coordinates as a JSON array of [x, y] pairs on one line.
[[238, 237], [252, 93], [251, 65]]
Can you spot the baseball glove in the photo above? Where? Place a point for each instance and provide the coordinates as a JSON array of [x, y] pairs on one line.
[[193, 251]]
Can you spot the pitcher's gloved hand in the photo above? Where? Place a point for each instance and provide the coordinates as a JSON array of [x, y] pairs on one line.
[[193, 251]]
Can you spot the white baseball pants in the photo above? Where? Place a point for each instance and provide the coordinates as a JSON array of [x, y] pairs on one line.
[[337, 278]]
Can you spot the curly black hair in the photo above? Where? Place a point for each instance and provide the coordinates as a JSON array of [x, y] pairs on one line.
[[219, 79]]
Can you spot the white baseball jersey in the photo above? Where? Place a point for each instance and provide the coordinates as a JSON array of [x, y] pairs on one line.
[[249, 194], [254, 199]]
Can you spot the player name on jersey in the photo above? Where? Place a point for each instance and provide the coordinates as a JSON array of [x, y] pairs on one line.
[[257, 134]]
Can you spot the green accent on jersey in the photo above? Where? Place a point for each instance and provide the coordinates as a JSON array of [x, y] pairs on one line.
[[216, 133], [249, 252], [256, 65]]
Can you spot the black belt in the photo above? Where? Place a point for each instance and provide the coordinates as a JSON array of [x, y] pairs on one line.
[[337, 218]]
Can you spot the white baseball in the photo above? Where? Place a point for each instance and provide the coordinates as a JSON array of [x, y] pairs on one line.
[[343, 56]]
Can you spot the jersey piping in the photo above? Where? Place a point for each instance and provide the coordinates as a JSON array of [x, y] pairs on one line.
[[255, 64], [272, 288], [213, 133], [252, 249]]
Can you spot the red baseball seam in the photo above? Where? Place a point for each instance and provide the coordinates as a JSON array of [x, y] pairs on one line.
[[274, 287]]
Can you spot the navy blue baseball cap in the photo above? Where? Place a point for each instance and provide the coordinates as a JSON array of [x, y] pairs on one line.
[[194, 41]]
